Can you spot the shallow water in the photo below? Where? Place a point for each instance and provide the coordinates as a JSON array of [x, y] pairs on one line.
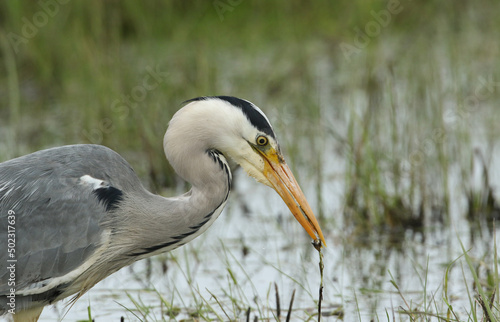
[[256, 243], [261, 244]]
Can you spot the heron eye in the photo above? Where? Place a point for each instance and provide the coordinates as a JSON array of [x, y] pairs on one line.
[[262, 140]]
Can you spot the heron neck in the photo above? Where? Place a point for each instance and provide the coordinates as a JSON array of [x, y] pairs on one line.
[[157, 224]]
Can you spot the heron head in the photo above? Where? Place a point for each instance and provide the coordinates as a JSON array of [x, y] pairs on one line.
[[242, 132]]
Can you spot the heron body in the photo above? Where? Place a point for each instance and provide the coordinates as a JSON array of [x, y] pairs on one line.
[[81, 213]]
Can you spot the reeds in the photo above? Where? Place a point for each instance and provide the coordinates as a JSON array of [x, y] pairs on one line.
[[398, 140]]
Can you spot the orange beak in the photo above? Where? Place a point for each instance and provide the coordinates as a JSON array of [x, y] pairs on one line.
[[283, 181]]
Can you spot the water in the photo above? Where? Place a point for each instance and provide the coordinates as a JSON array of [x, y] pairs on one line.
[[256, 243], [261, 244]]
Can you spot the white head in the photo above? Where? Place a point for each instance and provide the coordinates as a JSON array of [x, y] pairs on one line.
[[241, 131]]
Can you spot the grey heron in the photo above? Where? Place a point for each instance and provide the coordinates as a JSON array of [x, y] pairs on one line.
[[73, 215]]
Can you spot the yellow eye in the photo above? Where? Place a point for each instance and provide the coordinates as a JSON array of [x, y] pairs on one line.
[[262, 140]]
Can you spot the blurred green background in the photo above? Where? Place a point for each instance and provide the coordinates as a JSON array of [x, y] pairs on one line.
[[387, 111], [113, 72]]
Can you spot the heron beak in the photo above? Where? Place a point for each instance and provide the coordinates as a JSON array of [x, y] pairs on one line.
[[279, 174]]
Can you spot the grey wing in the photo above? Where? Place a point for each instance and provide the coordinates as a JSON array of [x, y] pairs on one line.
[[58, 199]]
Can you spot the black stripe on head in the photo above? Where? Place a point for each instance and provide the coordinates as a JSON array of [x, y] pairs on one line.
[[252, 113]]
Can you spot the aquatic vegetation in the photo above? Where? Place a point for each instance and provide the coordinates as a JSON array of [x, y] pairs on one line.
[[388, 115]]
